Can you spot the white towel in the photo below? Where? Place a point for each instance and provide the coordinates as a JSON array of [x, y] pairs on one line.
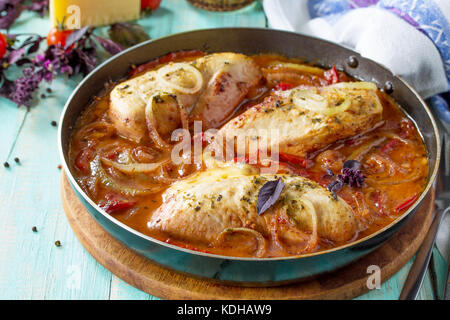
[[374, 32]]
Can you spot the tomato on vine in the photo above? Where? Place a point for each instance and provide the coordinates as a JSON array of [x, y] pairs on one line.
[[3, 45], [150, 4], [58, 36]]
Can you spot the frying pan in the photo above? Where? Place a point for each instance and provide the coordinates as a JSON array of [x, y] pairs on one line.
[[234, 270]]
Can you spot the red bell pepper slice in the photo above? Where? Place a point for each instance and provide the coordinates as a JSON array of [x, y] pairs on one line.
[[283, 86], [390, 146], [408, 203], [332, 75], [83, 159], [114, 203], [302, 162]]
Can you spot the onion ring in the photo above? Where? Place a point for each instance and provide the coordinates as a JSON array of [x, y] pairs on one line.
[[162, 73], [259, 238]]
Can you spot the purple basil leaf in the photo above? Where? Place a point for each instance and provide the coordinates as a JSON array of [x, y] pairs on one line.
[[329, 172], [335, 185], [85, 61], [110, 46], [40, 7], [22, 61], [352, 164], [127, 34], [75, 36], [35, 46], [7, 87], [268, 195], [16, 54], [10, 10]]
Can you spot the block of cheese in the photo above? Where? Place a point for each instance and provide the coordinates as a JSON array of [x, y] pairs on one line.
[[79, 13]]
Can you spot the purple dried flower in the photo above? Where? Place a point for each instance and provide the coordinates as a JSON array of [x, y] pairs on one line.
[[25, 86], [10, 10], [350, 175]]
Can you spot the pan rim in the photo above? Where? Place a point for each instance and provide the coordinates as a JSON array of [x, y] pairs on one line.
[[79, 190]]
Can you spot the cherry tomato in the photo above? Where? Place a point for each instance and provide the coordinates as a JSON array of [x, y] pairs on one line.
[[150, 4], [3, 45], [57, 36]]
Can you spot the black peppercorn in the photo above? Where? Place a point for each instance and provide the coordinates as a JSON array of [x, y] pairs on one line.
[[58, 243], [16, 159], [48, 90], [6, 164], [34, 229], [53, 123]]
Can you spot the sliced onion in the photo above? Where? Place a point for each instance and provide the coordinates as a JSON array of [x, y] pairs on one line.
[[416, 174], [174, 67], [99, 172], [320, 104], [360, 85], [359, 153], [135, 167], [317, 103], [314, 238], [394, 136], [259, 238], [296, 66], [163, 177], [98, 129]]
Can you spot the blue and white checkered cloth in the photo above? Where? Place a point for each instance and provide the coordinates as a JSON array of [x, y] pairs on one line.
[[410, 37]]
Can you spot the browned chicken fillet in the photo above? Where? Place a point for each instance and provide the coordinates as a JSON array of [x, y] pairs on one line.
[[307, 120], [202, 208], [209, 89]]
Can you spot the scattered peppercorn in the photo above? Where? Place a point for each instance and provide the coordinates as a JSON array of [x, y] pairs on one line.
[[6, 164], [34, 229], [48, 90], [59, 166], [53, 123], [16, 159], [58, 243], [43, 96]]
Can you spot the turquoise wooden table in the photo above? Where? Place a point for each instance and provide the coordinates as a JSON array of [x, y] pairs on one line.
[[31, 266]]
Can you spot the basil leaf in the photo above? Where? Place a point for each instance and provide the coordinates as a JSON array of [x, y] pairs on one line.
[[75, 36], [352, 164], [110, 46], [127, 34], [268, 195]]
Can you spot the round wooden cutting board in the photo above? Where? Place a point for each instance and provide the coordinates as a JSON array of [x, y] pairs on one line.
[[147, 276]]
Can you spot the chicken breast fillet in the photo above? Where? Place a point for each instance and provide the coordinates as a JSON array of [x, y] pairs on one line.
[[225, 80], [200, 208], [307, 120]]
